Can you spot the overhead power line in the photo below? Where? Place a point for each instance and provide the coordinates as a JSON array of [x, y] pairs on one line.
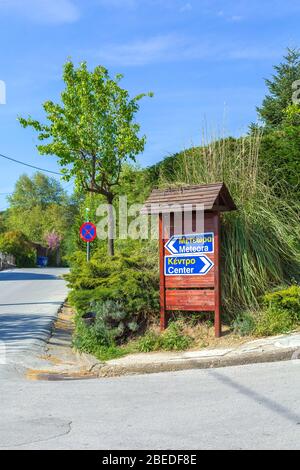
[[30, 166]]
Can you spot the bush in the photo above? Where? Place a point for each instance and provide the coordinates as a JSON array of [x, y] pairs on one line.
[[129, 280], [149, 342], [91, 340], [273, 321], [172, 339], [288, 299], [244, 324], [122, 291], [279, 314], [17, 244], [113, 325]]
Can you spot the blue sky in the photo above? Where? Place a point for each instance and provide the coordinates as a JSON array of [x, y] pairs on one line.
[[205, 60]]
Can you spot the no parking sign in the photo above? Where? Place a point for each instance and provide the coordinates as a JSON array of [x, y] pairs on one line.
[[88, 232]]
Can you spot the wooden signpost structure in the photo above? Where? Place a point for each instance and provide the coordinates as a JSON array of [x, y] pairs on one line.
[[190, 277]]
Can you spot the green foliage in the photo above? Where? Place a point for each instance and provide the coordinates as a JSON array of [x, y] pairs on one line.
[[89, 340], [93, 131], [149, 342], [280, 148], [288, 299], [125, 278], [280, 155], [172, 339], [273, 321], [272, 111], [38, 190], [17, 244], [260, 241], [280, 313], [113, 323], [2, 222], [39, 206], [244, 324]]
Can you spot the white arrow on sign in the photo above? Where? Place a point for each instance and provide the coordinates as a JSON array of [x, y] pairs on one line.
[[170, 246], [207, 265]]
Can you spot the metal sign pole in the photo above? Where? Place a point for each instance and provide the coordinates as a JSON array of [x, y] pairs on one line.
[[88, 252], [88, 248]]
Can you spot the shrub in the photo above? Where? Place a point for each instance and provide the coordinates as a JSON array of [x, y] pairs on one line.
[[92, 341], [123, 293], [129, 280], [244, 324], [113, 325], [17, 244], [288, 299], [172, 339], [273, 321], [149, 342]]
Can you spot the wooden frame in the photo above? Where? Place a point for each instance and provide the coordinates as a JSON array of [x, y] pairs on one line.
[[191, 293]]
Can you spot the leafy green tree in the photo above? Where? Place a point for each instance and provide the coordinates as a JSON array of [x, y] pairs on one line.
[[280, 155], [280, 144], [38, 206], [280, 86], [38, 190], [17, 244], [92, 131], [2, 223]]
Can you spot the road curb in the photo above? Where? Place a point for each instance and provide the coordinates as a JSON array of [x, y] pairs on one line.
[[108, 370]]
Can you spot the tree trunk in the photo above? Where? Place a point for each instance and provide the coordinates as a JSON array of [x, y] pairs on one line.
[[58, 256], [111, 227]]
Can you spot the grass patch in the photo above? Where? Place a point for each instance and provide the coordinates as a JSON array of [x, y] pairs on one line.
[[274, 321], [279, 314], [90, 340], [172, 339]]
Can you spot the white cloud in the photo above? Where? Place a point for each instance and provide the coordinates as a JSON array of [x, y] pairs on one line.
[[118, 3], [141, 52], [186, 7], [43, 11], [173, 48], [236, 18], [130, 4]]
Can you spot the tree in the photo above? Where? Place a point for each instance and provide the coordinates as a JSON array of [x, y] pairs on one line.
[[2, 222], [39, 205], [272, 111], [39, 190], [17, 244], [92, 131], [53, 241]]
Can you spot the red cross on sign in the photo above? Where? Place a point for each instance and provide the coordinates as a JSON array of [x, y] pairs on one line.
[[88, 232]]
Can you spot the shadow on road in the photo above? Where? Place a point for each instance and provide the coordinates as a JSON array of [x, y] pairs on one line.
[[31, 303], [18, 276], [23, 327], [260, 399]]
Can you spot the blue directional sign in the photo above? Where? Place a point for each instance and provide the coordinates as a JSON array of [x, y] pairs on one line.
[[187, 265], [191, 244]]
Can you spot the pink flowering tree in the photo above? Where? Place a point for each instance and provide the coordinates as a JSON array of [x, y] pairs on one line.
[[53, 240]]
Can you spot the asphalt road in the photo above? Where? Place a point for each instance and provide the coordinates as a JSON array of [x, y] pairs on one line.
[[29, 300], [246, 407]]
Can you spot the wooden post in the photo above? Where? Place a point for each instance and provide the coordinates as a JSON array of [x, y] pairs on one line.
[[217, 290], [163, 316]]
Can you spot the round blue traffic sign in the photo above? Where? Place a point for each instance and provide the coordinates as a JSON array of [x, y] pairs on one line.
[[88, 232]]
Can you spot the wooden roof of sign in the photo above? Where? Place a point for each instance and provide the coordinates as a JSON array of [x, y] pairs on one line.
[[213, 197]]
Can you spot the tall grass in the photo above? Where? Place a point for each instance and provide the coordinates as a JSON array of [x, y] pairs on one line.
[[260, 241]]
